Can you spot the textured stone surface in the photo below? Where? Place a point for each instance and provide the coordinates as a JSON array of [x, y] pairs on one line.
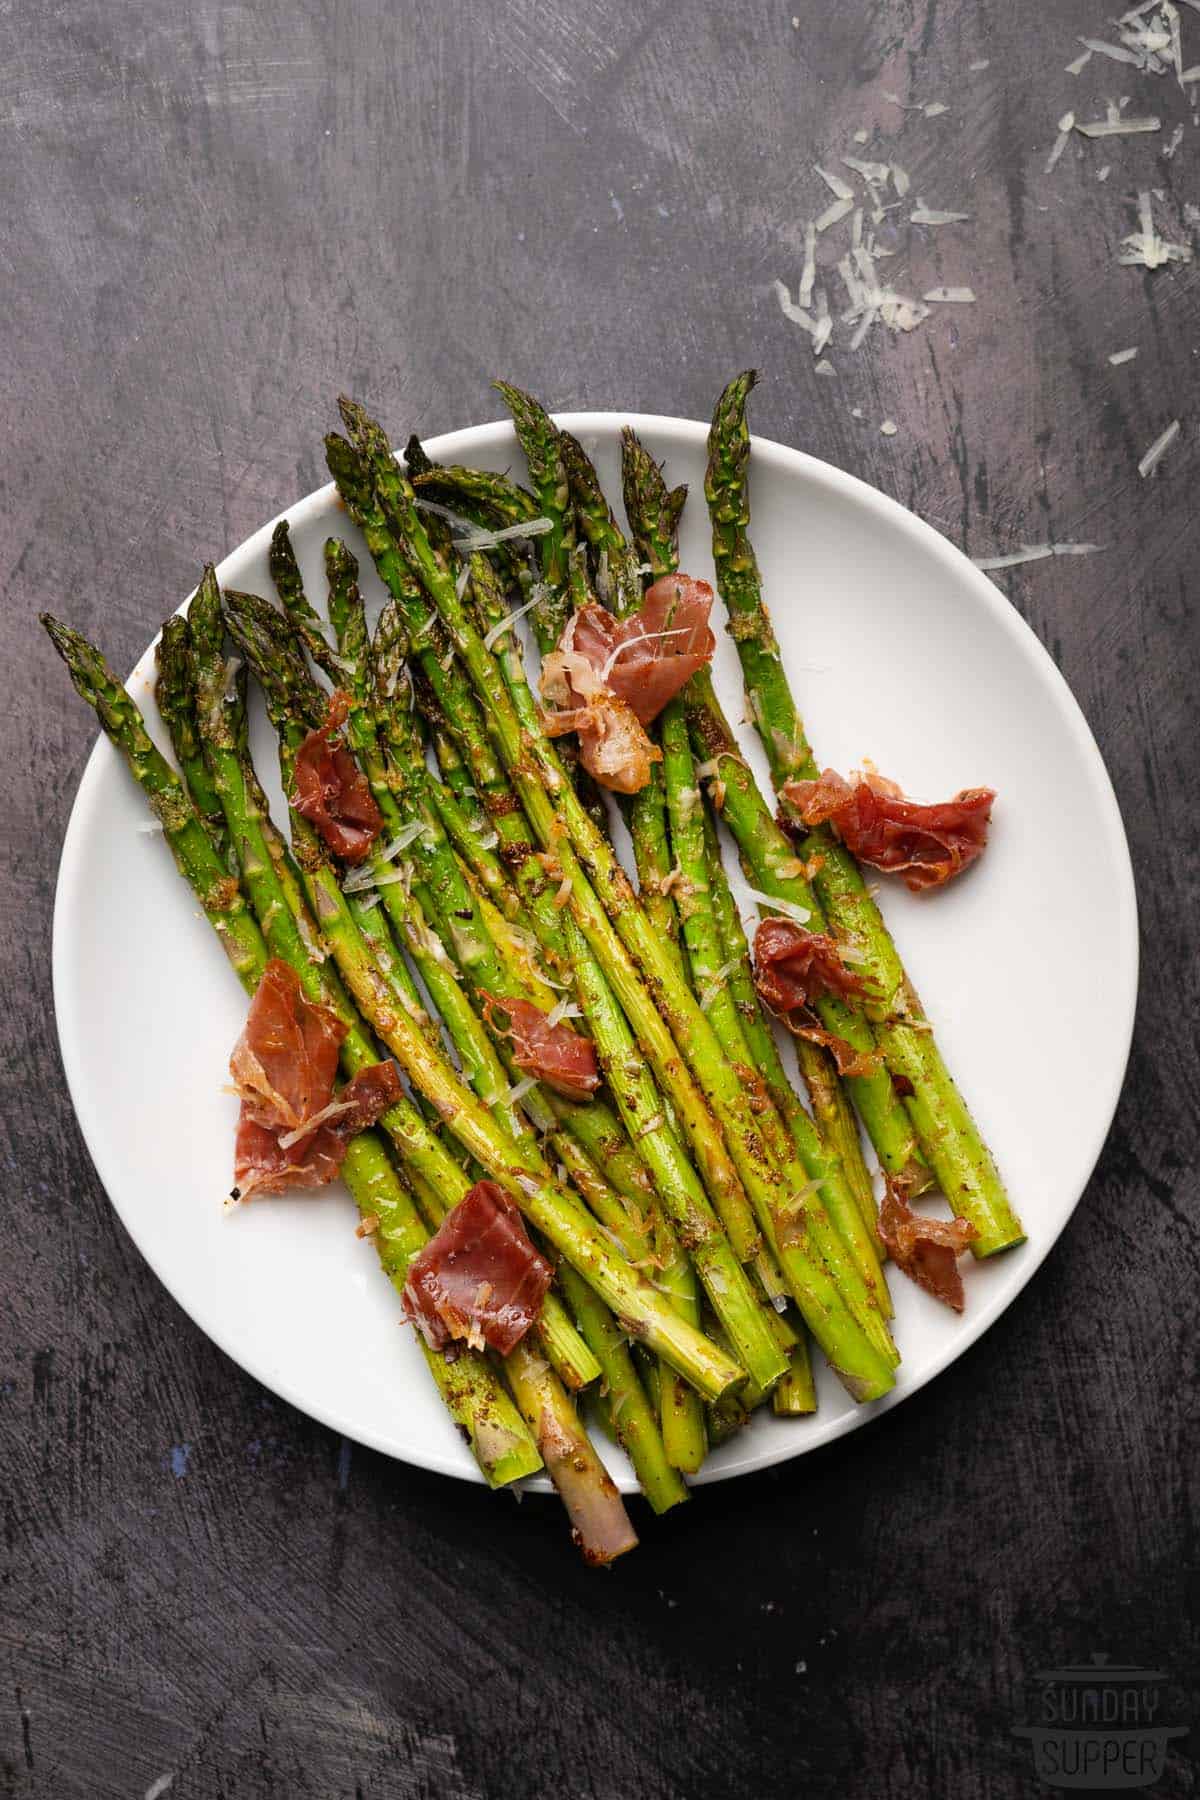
[[215, 217]]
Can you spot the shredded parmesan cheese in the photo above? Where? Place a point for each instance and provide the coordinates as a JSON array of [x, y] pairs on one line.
[[334, 1110], [1033, 553], [1114, 52], [1119, 127], [875, 174], [1144, 247], [1158, 449], [492, 637], [647, 637], [655, 1122], [711, 989], [932, 215], [834, 183], [1066, 126], [1123, 356], [956, 296], [303, 926], [789, 908], [365, 878], [487, 540], [833, 214], [809, 272]]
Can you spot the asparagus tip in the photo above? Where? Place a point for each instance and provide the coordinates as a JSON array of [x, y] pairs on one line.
[[60, 635]]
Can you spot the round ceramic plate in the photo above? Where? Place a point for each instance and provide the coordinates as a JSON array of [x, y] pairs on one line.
[[900, 652]]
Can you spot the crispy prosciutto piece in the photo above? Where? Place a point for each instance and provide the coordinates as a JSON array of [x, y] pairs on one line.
[[645, 658], [927, 1250], [849, 1060], [928, 845], [553, 1053], [331, 791], [793, 966], [478, 1278], [292, 1129], [613, 746], [609, 678]]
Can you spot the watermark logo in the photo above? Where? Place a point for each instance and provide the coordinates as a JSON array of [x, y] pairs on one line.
[[1098, 1725]]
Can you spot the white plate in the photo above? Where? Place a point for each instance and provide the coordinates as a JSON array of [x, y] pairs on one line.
[[900, 651]]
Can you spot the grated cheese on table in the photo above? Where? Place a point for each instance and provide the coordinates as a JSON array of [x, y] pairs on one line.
[[1029, 553], [1158, 449]]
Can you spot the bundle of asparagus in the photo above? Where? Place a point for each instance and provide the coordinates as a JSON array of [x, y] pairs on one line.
[[448, 895]]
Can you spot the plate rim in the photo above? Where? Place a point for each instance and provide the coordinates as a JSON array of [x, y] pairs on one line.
[[456, 445]]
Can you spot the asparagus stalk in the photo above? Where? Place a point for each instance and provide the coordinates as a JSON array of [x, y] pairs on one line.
[[618, 931], [289, 585], [473, 1394], [539, 440], [616, 567], [176, 703], [946, 1131], [477, 495], [645, 813], [653, 519], [653, 509], [468, 827]]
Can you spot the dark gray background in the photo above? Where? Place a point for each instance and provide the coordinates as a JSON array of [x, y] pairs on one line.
[[214, 217]]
